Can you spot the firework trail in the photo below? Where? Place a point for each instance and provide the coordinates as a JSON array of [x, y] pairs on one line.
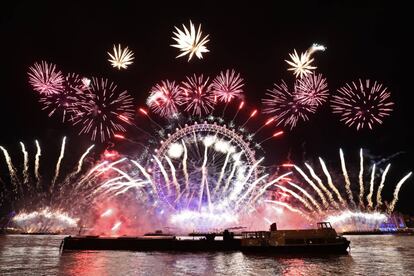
[[312, 90], [80, 163], [295, 195], [326, 191], [361, 179], [37, 162], [313, 185], [121, 58], [164, 99], [286, 109], [45, 78], [362, 104], [346, 177], [25, 163], [381, 186], [227, 86], [10, 166], [190, 42], [198, 97], [311, 199], [371, 188], [396, 192], [103, 110], [287, 206], [330, 183], [57, 170]]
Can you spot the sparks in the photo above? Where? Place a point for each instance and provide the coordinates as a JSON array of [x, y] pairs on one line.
[[121, 58], [190, 42]]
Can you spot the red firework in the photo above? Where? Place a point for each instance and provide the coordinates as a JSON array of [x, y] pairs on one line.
[[362, 104], [228, 86], [312, 89], [198, 97], [283, 105], [164, 98], [45, 78], [103, 110]]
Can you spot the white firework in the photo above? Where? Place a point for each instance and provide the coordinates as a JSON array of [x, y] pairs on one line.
[[190, 41], [121, 58], [301, 66]]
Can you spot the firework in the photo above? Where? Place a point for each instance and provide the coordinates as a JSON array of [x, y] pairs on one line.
[[45, 78], [43, 203], [198, 97], [45, 221], [103, 110], [164, 98], [362, 104], [312, 89], [349, 214], [121, 58], [228, 86], [190, 42], [66, 100], [300, 65], [282, 104]]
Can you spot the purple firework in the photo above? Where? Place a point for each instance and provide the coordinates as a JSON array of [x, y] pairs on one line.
[[198, 97], [65, 101], [45, 78], [228, 86], [312, 89], [362, 104], [284, 107], [103, 109]]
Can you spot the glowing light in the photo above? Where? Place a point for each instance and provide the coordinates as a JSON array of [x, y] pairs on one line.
[[312, 89], [121, 58], [190, 42]]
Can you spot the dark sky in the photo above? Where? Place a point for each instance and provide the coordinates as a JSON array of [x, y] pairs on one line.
[[368, 40]]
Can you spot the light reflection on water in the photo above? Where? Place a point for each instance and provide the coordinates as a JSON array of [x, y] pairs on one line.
[[39, 255]]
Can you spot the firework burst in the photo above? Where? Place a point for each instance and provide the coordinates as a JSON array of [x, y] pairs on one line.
[[362, 104], [300, 65], [103, 109], [190, 41], [164, 98], [198, 96], [121, 58], [45, 78], [283, 105], [65, 101], [228, 86], [312, 90]]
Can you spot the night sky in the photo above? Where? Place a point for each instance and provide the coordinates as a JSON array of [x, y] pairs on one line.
[[363, 41]]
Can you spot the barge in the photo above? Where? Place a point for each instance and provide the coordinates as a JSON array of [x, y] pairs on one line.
[[323, 239]]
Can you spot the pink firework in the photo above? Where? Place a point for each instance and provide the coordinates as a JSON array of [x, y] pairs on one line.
[[312, 89], [362, 104], [103, 110], [198, 97], [45, 78], [228, 86], [283, 105], [64, 102], [164, 98]]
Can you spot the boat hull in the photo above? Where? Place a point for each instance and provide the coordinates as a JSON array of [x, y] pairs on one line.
[[171, 244]]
